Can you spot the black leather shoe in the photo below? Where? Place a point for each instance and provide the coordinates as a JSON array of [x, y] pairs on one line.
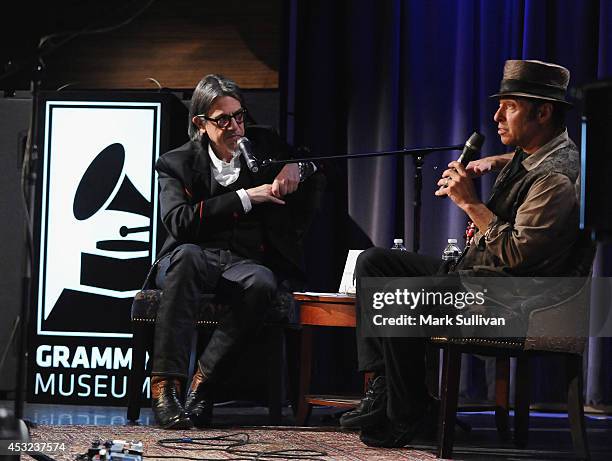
[[372, 409], [391, 434], [166, 404], [199, 404]]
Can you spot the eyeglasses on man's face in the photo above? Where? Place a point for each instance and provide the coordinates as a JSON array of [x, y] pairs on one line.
[[224, 120]]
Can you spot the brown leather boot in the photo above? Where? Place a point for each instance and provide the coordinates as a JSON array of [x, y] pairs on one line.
[[166, 404], [199, 403]]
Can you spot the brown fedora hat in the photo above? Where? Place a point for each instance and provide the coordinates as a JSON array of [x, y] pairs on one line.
[[534, 79]]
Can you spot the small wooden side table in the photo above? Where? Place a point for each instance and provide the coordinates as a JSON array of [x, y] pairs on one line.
[[320, 310]]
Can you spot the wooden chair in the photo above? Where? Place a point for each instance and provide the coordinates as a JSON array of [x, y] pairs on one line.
[[570, 319], [144, 312]]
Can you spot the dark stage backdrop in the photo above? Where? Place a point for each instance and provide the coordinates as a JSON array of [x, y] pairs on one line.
[[375, 75], [118, 44]]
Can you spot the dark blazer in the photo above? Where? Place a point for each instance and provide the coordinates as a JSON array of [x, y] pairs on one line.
[[187, 205]]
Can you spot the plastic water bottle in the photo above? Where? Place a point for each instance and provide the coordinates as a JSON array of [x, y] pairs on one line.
[[398, 244], [452, 251]]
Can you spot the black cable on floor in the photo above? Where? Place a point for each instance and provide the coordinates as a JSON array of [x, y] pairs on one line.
[[231, 443], [292, 453], [38, 456], [225, 441]]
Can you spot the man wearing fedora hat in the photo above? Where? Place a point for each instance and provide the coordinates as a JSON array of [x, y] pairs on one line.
[[532, 213], [526, 228]]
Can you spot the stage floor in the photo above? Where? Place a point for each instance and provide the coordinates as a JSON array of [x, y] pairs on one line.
[[549, 432]]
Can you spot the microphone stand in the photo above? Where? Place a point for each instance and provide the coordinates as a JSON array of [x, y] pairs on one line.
[[418, 158], [17, 427], [29, 184]]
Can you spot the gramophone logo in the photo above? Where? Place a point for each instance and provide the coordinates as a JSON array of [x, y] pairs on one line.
[[97, 226]]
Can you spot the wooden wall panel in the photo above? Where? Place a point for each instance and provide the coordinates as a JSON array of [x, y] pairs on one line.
[[177, 42]]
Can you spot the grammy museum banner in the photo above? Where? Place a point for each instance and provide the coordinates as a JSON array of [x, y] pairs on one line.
[[96, 239]]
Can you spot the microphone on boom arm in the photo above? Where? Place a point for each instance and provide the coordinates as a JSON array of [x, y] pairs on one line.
[[244, 146]]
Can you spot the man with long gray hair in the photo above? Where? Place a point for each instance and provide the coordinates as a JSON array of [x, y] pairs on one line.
[[231, 232]]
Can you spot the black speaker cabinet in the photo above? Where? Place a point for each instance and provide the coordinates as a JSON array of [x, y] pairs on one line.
[[14, 122]]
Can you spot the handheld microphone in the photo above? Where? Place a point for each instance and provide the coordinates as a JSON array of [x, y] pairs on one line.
[[472, 148], [244, 146]]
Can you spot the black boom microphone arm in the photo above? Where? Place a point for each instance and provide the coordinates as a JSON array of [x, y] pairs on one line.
[[418, 152], [470, 149]]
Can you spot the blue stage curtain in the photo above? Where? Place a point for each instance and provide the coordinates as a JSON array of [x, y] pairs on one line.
[[375, 75]]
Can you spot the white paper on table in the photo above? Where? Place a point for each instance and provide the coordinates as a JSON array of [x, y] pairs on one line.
[[347, 284]]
